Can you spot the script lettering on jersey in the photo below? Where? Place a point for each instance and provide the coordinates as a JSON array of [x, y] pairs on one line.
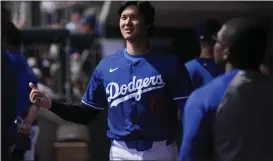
[[134, 89]]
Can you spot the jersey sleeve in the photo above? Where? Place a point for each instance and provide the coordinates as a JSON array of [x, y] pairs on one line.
[[181, 82], [181, 85], [94, 96]]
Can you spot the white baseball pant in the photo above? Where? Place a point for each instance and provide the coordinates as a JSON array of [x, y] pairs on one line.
[[30, 154], [159, 151]]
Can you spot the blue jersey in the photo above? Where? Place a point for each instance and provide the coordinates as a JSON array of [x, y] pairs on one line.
[[141, 94], [8, 103], [199, 115], [203, 71], [24, 76]]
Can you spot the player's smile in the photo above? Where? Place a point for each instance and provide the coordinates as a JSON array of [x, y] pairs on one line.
[[128, 30]]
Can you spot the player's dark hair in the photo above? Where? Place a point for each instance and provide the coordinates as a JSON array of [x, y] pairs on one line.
[[145, 8], [10, 34], [246, 41]]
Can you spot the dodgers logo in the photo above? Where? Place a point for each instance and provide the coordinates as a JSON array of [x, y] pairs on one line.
[[134, 89]]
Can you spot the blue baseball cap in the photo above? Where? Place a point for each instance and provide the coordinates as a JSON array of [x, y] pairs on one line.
[[207, 30], [89, 20]]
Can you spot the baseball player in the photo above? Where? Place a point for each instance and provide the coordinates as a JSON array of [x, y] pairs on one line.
[[16, 90], [240, 45], [203, 69], [141, 89]]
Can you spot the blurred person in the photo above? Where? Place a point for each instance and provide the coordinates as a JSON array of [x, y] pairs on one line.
[[229, 118], [22, 75], [203, 69], [8, 90], [76, 15], [141, 88], [87, 24]]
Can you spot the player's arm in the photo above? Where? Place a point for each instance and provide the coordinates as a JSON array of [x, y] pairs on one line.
[[181, 86], [195, 138], [80, 114], [93, 101], [31, 113]]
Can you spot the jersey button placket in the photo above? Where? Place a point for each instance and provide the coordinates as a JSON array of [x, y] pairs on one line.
[[133, 73], [132, 70]]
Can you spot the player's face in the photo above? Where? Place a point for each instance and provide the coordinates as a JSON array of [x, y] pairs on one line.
[[132, 25], [220, 52]]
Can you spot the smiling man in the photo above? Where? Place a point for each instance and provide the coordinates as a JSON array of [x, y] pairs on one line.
[[141, 89]]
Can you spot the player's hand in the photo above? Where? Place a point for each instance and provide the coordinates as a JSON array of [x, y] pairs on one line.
[[25, 130], [39, 98]]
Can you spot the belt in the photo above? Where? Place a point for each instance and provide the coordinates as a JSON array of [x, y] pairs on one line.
[[145, 145]]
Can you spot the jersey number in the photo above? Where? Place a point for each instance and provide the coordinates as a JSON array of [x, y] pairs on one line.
[[156, 105]]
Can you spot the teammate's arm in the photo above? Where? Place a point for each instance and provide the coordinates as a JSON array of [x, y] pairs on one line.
[[194, 138]]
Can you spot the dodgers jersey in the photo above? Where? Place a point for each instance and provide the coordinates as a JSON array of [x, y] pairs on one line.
[[203, 71], [141, 94]]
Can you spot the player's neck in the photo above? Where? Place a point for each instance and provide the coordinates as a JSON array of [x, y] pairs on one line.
[[136, 48], [206, 54], [228, 68]]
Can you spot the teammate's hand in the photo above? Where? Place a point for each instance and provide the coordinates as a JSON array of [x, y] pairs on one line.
[[39, 98]]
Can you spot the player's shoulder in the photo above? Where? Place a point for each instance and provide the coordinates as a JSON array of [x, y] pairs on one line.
[[191, 65], [113, 57], [190, 62], [110, 59], [220, 81], [214, 89], [165, 56]]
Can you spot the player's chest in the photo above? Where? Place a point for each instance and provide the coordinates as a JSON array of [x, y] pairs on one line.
[[142, 73], [129, 79]]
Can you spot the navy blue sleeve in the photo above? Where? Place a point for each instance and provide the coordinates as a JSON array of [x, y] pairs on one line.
[[95, 96], [181, 85]]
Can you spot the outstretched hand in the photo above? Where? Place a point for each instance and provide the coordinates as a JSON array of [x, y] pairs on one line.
[[39, 98]]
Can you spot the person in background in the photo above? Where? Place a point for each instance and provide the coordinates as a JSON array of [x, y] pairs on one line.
[[242, 129], [8, 89], [24, 107], [76, 16], [87, 24], [203, 69]]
